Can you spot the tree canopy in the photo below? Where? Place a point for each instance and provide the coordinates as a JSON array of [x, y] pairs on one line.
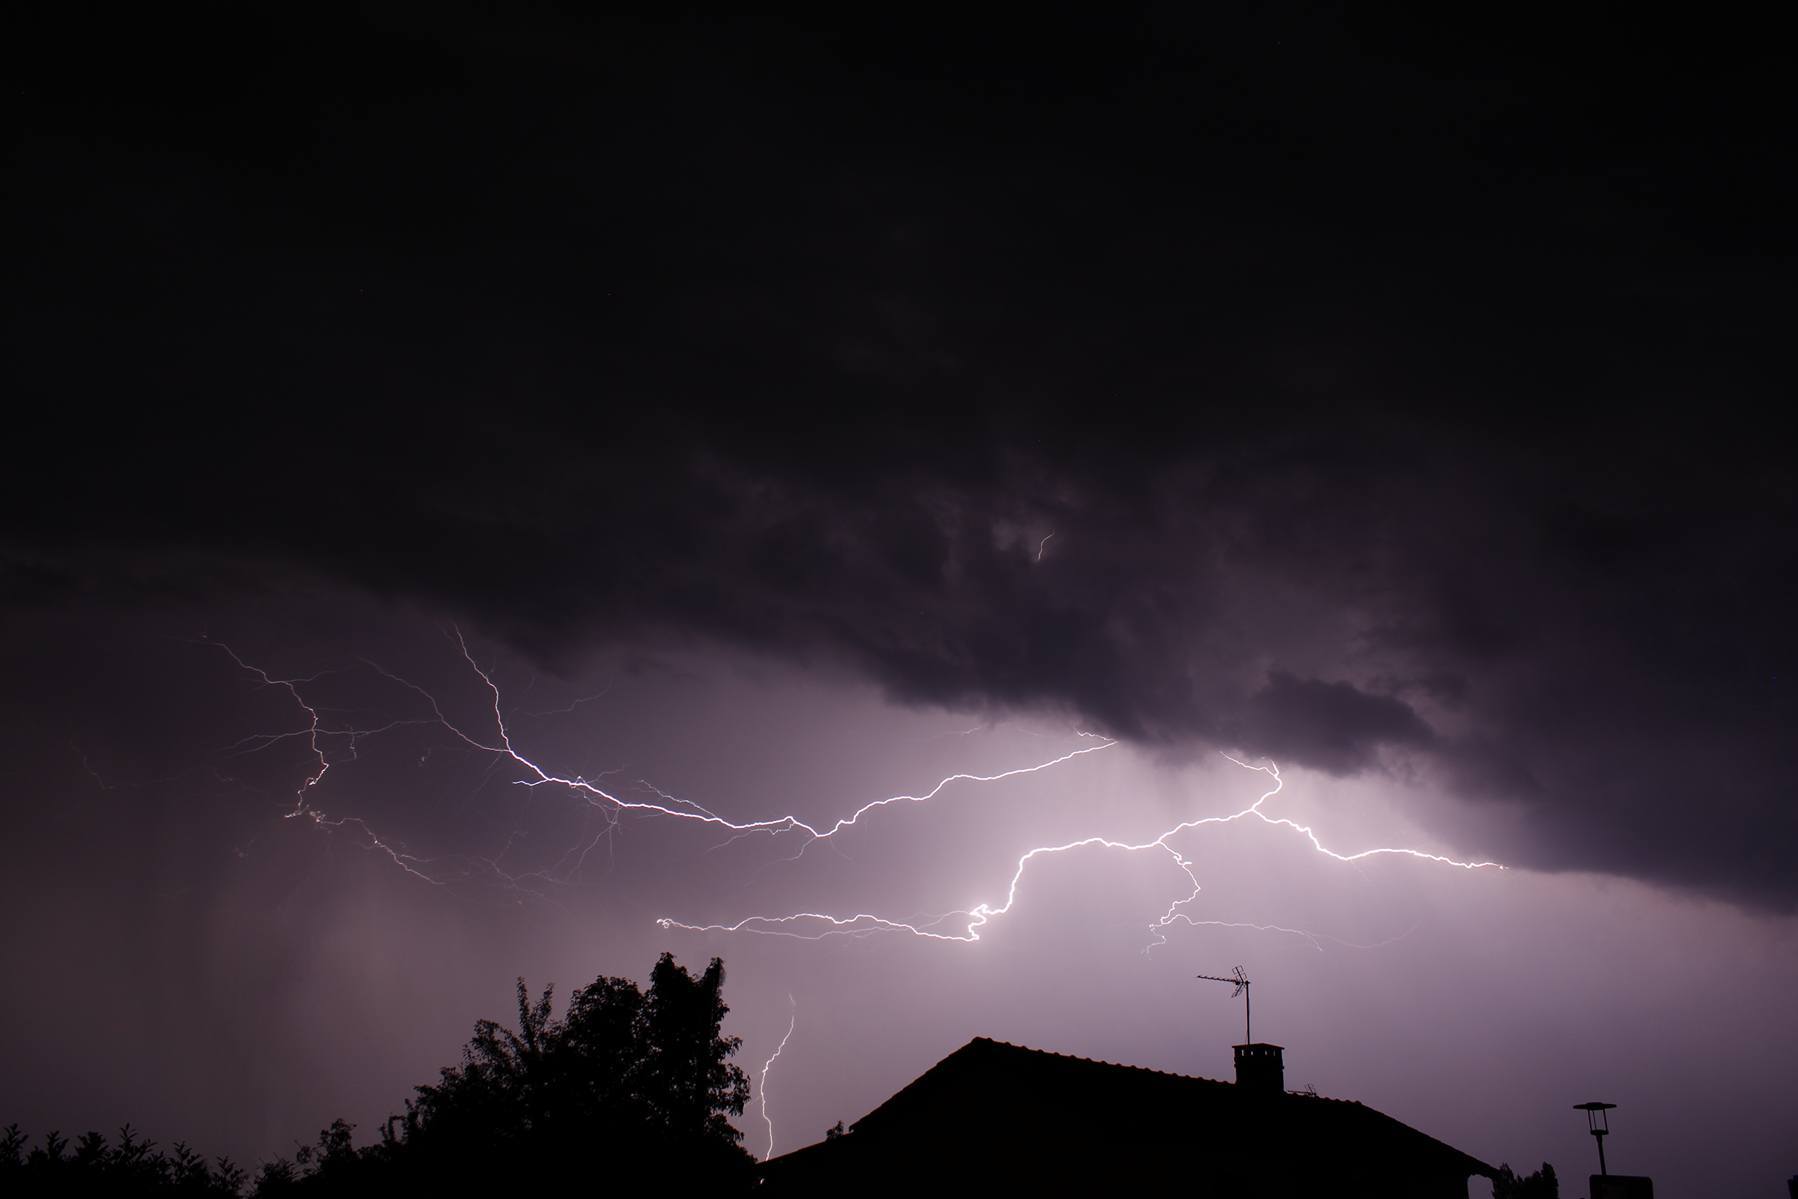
[[1541, 1185], [628, 1087], [91, 1166], [627, 1081], [628, 1084]]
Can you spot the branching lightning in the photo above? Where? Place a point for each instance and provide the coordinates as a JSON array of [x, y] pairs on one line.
[[959, 925], [317, 736], [816, 925]]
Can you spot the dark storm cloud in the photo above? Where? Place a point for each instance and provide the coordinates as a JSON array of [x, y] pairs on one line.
[[1387, 396], [1334, 726]]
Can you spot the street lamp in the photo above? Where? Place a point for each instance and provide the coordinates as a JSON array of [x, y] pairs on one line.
[[1598, 1124]]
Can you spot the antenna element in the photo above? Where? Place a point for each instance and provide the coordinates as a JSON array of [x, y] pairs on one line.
[[1241, 982]]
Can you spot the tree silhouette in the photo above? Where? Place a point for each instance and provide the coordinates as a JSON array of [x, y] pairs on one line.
[[1541, 1185], [131, 1167], [628, 1086]]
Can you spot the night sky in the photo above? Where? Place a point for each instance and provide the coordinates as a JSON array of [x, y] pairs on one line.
[[766, 416]]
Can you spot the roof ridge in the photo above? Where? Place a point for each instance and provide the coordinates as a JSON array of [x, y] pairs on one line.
[[1092, 1061], [982, 1046]]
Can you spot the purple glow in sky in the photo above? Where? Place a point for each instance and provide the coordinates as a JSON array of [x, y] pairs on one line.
[[975, 522], [1469, 1003]]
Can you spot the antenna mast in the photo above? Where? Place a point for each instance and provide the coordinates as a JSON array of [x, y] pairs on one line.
[[1241, 982]]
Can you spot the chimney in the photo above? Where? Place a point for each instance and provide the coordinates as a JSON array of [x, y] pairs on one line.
[[1260, 1068]]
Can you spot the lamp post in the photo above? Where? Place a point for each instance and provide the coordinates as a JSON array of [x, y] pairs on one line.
[[1599, 1125]]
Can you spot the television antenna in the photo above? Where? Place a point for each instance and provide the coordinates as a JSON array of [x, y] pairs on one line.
[[1241, 982]]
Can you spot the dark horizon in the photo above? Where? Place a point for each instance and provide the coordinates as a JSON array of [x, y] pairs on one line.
[[757, 418]]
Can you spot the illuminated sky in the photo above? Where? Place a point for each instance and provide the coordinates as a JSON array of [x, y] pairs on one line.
[[772, 420]]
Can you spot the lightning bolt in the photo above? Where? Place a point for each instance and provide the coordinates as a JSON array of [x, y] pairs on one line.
[[499, 745], [817, 925], [538, 776], [768, 1065], [315, 735], [964, 925]]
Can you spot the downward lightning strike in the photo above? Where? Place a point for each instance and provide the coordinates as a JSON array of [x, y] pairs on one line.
[[766, 1066]]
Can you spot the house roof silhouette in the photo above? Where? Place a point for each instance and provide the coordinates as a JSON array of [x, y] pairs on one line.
[[1009, 1116]]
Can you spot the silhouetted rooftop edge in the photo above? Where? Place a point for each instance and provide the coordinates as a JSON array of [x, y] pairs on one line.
[[932, 1096]]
